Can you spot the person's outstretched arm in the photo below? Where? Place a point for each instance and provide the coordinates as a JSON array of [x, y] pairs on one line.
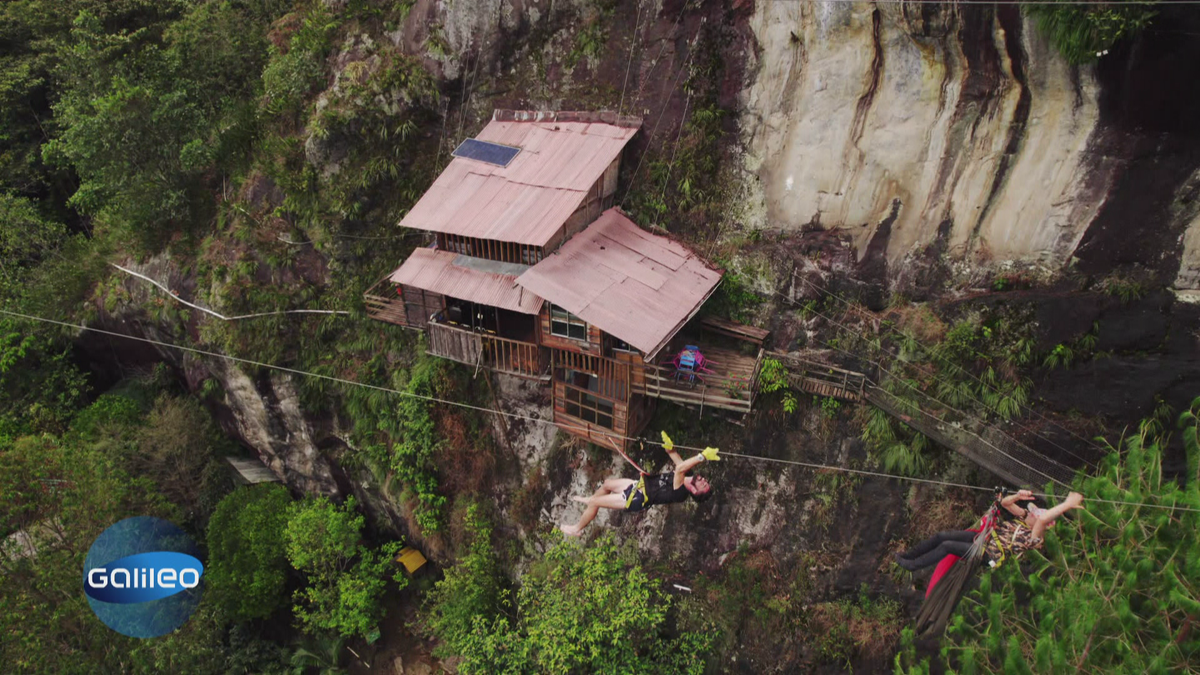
[[1073, 501], [683, 466], [1010, 502]]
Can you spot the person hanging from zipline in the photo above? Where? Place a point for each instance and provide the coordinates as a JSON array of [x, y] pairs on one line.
[[1010, 537], [627, 494], [959, 553]]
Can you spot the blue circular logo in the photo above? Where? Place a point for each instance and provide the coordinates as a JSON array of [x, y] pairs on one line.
[[143, 577]]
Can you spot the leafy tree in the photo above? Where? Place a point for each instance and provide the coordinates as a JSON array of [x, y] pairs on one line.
[[247, 561], [26, 238], [180, 449], [579, 610], [151, 105], [1083, 32], [1116, 590], [40, 387], [470, 589], [60, 496], [324, 653], [346, 579]]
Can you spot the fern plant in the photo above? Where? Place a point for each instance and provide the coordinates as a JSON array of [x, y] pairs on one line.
[[1084, 33]]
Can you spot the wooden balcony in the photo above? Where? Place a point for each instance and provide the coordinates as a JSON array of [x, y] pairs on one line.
[[483, 350], [383, 304], [731, 385]]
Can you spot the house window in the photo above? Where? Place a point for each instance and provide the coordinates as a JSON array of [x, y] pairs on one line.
[[566, 324], [622, 346], [530, 255], [588, 408]]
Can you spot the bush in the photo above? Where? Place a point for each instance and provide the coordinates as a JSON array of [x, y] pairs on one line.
[[346, 579], [470, 589], [1082, 33], [583, 610], [247, 561], [174, 450]]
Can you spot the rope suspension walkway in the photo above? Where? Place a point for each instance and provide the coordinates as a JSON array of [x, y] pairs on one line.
[[928, 350], [1056, 466], [538, 420]]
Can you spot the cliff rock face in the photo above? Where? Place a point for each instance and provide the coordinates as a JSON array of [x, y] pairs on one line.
[[262, 410], [910, 125]]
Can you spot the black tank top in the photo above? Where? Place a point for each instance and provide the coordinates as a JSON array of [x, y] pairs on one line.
[[660, 489]]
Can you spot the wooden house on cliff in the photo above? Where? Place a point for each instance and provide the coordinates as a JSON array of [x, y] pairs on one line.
[[531, 272]]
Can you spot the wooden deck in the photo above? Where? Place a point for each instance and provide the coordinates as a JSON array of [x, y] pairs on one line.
[[523, 359], [731, 386]]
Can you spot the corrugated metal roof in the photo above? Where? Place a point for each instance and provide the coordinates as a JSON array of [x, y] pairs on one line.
[[438, 271], [638, 286], [530, 199]]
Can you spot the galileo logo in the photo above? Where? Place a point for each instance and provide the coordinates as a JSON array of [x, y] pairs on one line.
[[142, 577]]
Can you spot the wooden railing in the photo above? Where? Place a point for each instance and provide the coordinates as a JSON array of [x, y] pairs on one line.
[[383, 304], [612, 375], [822, 379], [715, 390], [514, 357]]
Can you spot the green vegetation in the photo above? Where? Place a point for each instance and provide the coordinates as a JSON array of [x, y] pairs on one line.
[[772, 378], [1082, 33], [829, 406], [577, 610], [734, 298], [682, 187], [850, 628], [60, 491], [897, 447], [975, 366], [1115, 590], [346, 579], [247, 562], [592, 36], [1123, 286], [471, 590], [183, 76]]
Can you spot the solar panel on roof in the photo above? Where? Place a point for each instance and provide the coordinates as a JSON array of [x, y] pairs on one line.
[[483, 151]]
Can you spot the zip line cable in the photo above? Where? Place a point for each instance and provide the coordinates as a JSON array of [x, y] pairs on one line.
[[537, 420], [963, 413], [974, 396]]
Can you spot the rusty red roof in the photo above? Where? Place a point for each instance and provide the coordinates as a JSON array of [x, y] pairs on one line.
[[638, 286], [528, 201], [459, 276]]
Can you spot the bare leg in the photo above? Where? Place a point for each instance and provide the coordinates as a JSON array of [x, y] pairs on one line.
[[602, 499], [618, 485]]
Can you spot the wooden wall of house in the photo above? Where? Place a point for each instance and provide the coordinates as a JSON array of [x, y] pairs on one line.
[[586, 430], [608, 181], [594, 344], [641, 409], [637, 374], [420, 304]]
